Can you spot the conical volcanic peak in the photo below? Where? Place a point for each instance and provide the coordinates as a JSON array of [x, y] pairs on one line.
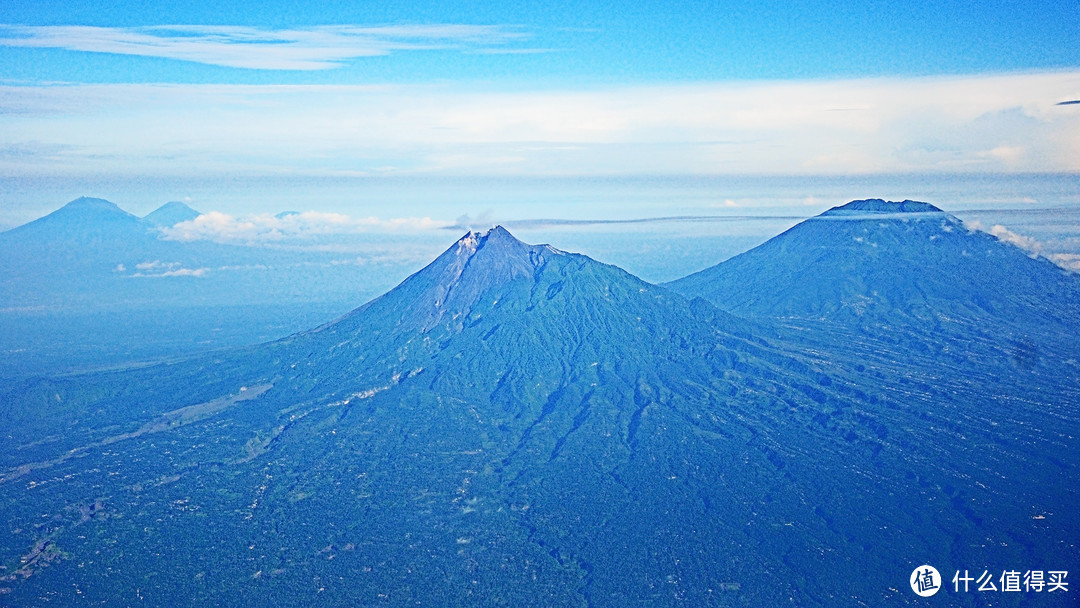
[[451, 285], [877, 206], [484, 259], [497, 256]]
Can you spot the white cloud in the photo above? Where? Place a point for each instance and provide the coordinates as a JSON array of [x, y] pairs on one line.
[[157, 268], [312, 48], [1035, 248], [184, 272], [995, 123], [1023, 242], [224, 228], [156, 264], [1070, 261]]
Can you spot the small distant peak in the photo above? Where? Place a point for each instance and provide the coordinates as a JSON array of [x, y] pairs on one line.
[[877, 206], [175, 206], [171, 214]]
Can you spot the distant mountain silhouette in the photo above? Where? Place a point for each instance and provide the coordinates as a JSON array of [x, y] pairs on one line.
[[74, 249], [84, 254], [91, 285], [83, 219], [518, 425], [90, 255], [171, 214]]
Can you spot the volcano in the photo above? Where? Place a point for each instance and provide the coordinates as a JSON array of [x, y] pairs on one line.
[[876, 263]]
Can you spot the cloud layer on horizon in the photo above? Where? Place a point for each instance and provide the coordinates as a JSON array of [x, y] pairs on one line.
[[971, 124]]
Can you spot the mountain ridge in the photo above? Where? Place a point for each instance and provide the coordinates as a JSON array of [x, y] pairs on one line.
[[877, 205]]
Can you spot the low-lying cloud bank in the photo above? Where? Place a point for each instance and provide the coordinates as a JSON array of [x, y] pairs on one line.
[[262, 228], [1068, 261]]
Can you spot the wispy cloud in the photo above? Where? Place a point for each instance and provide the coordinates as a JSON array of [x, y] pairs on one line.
[[1024, 242], [263, 228], [1070, 261], [312, 48]]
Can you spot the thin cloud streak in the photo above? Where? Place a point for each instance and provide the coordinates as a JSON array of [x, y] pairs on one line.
[[157, 268], [466, 223], [313, 48]]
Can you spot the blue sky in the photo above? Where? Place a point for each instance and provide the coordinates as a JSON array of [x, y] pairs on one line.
[[583, 43], [141, 93]]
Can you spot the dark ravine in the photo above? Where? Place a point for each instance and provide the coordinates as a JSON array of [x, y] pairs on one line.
[[517, 425]]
